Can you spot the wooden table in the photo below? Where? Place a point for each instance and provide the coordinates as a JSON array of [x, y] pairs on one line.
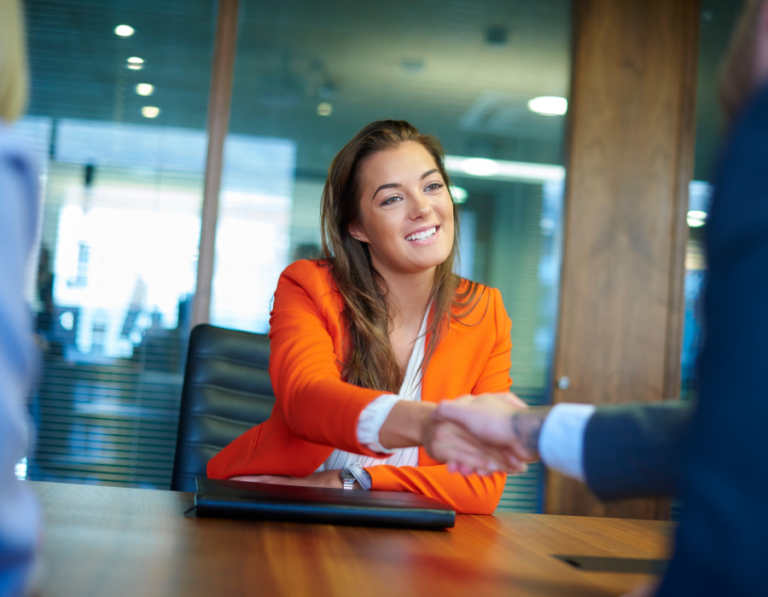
[[115, 541]]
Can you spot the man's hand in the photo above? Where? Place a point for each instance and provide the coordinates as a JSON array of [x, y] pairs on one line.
[[496, 424], [449, 442], [327, 479]]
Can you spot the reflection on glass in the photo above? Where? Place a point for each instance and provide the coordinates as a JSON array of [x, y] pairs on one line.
[[253, 229], [111, 283]]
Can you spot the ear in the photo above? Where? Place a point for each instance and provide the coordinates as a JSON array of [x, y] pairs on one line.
[[357, 233]]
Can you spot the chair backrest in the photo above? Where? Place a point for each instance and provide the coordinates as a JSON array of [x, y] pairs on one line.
[[226, 392]]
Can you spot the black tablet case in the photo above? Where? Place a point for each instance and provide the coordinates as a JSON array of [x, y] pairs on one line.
[[262, 501]]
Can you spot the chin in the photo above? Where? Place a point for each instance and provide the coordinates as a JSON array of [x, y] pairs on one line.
[[426, 262]]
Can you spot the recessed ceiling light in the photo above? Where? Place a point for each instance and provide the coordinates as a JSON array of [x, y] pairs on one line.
[[459, 194], [145, 89], [548, 105], [135, 66], [124, 30], [150, 112], [135, 60], [324, 109]]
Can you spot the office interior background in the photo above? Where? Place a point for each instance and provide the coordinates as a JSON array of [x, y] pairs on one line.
[[118, 118]]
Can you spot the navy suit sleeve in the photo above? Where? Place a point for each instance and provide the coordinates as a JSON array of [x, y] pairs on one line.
[[722, 540], [635, 450]]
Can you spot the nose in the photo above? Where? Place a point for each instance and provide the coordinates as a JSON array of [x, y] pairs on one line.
[[422, 207]]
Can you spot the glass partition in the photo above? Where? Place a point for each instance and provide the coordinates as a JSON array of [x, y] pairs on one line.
[[309, 75], [117, 115]]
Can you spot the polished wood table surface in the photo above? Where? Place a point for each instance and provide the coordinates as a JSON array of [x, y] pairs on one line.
[[116, 541]]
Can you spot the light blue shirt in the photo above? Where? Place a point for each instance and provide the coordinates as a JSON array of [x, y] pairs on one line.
[[561, 443], [20, 517]]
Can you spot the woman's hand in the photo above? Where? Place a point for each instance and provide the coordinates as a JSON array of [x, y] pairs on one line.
[[327, 479]]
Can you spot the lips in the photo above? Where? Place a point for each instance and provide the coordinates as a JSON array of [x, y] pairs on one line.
[[423, 234]]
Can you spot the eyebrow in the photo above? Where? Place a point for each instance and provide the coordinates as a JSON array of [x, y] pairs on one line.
[[395, 185]]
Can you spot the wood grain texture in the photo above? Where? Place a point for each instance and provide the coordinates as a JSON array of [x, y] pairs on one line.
[[127, 542], [219, 105], [630, 161]]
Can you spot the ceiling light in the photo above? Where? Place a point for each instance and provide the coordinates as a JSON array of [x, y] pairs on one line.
[[459, 194], [548, 105], [145, 89], [503, 169], [135, 66], [324, 109], [150, 112], [135, 60], [480, 167], [124, 30]]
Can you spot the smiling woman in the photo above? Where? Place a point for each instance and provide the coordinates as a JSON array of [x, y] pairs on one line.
[[366, 341]]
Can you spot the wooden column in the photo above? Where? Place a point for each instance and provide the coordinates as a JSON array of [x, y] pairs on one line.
[[630, 161], [225, 46]]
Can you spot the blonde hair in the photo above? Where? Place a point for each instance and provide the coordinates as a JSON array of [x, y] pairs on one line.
[[13, 61], [737, 74]]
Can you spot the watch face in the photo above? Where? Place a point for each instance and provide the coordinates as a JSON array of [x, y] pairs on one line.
[[347, 475]]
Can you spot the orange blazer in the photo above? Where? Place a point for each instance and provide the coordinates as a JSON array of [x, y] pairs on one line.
[[316, 412]]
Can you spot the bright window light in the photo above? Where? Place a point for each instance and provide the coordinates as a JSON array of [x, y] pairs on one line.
[[503, 169], [21, 469], [150, 111], [135, 60], [124, 30], [67, 320], [459, 194], [480, 167], [145, 89], [324, 109], [696, 218], [548, 105]]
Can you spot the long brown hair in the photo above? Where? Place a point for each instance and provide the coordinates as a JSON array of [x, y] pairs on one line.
[[370, 361]]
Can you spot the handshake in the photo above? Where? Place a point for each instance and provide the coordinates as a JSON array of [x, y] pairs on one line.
[[486, 433]]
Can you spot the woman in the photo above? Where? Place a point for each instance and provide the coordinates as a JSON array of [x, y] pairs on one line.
[[20, 519], [365, 342]]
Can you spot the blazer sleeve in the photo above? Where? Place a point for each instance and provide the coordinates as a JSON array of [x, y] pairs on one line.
[[472, 494], [316, 404], [636, 450]]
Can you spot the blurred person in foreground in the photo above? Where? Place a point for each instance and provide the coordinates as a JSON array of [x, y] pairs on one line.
[[718, 450], [20, 517]]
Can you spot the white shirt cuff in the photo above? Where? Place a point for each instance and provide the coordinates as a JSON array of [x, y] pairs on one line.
[[561, 444], [370, 422]]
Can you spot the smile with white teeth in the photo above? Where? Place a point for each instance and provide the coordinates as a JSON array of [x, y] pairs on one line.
[[423, 235]]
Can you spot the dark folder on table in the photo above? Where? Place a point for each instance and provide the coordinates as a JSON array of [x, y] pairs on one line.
[[240, 499]]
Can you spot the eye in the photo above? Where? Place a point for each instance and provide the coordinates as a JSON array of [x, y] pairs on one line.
[[392, 200], [434, 186]]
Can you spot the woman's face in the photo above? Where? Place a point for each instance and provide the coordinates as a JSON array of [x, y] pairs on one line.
[[406, 212]]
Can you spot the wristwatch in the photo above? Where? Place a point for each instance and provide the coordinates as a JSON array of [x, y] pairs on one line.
[[347, 479]]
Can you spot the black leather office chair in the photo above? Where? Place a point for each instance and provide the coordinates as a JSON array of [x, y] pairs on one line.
[[226, 392]]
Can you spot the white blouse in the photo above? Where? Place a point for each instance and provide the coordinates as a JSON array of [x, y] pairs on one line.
[[373, 416]]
